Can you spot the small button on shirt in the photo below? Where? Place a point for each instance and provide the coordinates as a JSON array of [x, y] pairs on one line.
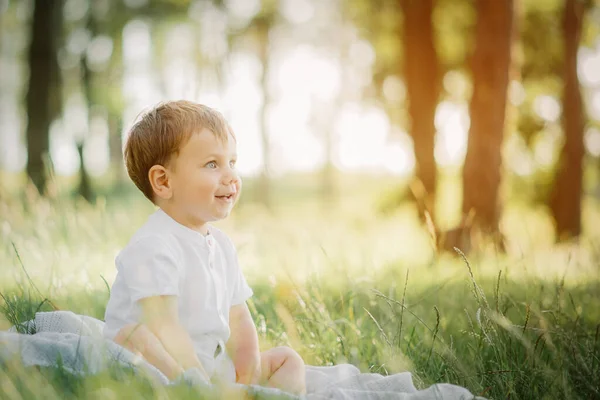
[[167, 258]]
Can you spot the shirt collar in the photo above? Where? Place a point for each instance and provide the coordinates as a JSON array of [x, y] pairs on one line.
[[165, 221]]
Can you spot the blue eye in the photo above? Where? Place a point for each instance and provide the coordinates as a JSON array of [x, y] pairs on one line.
[[232, 163], [211, 165]]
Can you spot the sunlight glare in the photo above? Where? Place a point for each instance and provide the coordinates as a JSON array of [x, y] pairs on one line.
[[456, 84], [244, 96], [399, 157], [543, 152], [77, 41], [213, 33], [243, 9], [179, 41], [95, 151], [452, 123], [138, 87], [290, 111], [242, 99], [362, 53], [74, 10], [99, 51], [592, 141], [394, 89], [304, 71], [326, 79], [136, 42], [297, 11], [517, 156], [594, 105], [295, 147], [75, 115], [62, 150], [516, 93], [243, 65], [212, 98], [362, 133], [13, 152], [588, 65], [180, 75], [298, 151], [547, 107]]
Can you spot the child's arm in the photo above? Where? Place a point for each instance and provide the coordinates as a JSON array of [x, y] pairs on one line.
[[160, 315], [242, 345]]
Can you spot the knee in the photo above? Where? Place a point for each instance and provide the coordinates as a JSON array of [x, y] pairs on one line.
[[292, 370], [292, 358]]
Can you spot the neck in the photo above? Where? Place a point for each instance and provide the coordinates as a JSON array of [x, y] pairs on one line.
[[185, 220]]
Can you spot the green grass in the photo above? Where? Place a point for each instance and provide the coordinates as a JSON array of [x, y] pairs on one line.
[[341, 284]]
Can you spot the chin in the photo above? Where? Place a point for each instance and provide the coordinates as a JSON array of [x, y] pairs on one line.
[[225, 215], [218, 216]]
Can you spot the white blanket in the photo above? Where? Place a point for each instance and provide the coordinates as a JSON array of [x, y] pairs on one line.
[[77, 340]]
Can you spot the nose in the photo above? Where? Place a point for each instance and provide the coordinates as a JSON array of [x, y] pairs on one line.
[[230, 176]]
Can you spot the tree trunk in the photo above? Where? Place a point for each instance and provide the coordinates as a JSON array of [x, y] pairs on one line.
[[322, 122], [328, 182], [490, 67], [565, 202], [422, 76], [264, 189], [41, 71], [115, 145], [115, 104], [85, 187]]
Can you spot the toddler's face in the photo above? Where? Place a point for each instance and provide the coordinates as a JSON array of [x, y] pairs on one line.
[[205, 183]]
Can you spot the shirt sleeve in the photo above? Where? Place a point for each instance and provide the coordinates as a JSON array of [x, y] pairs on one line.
[[150, 268], [241, 290]]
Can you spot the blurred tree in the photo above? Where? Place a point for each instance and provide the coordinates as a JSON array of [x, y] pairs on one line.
[[47, 20], [565, 202], [333, 33], [490, 65], [102, 82], [412, 55], [85, 186], [540, 66], [261, 26], [159, 61], [422, 77], [112, 95]]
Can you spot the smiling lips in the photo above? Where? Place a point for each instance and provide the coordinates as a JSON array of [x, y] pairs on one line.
[[227, 197]]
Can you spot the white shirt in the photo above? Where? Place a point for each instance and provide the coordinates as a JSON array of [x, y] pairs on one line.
[[167, 258]]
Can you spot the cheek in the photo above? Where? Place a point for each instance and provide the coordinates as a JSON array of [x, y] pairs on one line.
[[207, 181]]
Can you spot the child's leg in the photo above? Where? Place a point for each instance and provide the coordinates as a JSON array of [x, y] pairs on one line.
[[140, 340], [283, 368]]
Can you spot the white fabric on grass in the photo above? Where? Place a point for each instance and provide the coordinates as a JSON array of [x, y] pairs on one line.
[[78, 342]]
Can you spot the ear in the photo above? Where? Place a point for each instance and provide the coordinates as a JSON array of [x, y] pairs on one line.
[[159, 179]]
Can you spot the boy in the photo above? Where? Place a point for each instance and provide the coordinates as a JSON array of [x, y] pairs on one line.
[[179, 298]]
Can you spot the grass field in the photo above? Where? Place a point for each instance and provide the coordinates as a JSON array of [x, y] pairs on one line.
[[340, 284]]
